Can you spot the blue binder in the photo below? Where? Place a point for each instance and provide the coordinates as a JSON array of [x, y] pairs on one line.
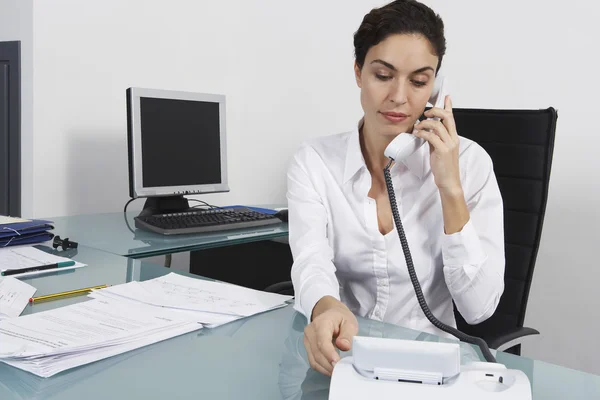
[[20, 233], [257, 209], [33, 238]]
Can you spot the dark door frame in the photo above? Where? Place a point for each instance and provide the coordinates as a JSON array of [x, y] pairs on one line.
[[10, 128]]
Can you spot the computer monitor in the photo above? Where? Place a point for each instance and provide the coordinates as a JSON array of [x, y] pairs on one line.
[[177, 146]]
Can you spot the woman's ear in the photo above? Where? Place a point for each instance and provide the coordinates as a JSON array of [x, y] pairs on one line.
[[357, 75]]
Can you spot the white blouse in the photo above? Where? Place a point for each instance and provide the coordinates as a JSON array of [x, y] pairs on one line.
[[339, 251]]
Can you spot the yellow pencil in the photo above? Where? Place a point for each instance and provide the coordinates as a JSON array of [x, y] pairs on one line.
[[63, 294]]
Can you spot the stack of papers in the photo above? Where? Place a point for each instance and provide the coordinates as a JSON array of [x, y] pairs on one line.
[[26, 386], [210, 303], [27, 257], [122, 318], [54, 341], [14, 297]]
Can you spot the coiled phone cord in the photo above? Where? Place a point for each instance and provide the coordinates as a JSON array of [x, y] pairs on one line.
[[415, 282]]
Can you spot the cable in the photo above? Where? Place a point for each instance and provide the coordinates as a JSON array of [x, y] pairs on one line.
[[126, 204], [125, 215], [204, 203], [415, 282]]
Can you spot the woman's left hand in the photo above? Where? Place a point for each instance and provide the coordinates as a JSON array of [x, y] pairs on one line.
[[443, 143]]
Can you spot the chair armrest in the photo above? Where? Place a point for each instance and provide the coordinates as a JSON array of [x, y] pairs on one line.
[[510, 338], [286, 288]]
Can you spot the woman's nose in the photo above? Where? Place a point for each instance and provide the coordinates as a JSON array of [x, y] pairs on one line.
[[398, 93]]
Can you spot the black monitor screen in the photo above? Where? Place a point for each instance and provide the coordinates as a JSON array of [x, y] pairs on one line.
[[181, 142]]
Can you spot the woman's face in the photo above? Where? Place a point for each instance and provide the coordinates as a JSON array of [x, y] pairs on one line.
[[396, 82]]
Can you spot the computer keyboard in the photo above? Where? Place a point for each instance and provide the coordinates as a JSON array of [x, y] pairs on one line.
[[213, 220]]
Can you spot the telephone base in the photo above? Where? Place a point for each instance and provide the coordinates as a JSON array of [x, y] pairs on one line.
[[476, 381]]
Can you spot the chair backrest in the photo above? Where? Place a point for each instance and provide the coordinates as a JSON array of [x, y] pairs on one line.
[[521, 144]]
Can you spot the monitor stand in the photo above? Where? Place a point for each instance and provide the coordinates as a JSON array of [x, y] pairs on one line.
[[164, 205]]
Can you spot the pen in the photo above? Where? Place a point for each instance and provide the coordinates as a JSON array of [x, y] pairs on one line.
[[64, 294], [38, 268]]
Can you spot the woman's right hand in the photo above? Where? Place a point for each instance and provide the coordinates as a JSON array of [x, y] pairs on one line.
[[333, 325]]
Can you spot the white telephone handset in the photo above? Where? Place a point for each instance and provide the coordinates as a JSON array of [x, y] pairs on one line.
[[405, 144]]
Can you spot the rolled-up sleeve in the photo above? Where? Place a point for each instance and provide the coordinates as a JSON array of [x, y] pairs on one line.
[[313, 271], [474, 257]]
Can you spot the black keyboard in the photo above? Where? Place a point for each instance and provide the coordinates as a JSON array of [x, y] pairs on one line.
[[216, 219]]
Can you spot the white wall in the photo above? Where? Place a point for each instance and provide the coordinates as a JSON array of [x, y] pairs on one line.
[[286, 69], [283, 82], [16, 23]]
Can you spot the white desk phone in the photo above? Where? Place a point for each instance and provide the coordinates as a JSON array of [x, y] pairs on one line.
[[382, 368]]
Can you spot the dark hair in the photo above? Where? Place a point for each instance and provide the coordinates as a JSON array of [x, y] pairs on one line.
[[399, 17]]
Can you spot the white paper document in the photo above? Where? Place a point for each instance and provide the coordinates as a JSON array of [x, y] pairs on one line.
[[208, 319], [184, 293], [27, 256], [52, 341], [14, 296], [11, 220]]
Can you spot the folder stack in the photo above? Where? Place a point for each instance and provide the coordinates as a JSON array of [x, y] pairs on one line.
[[18, 232]]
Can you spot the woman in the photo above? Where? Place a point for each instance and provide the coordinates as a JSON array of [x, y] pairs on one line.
[[347, 256]]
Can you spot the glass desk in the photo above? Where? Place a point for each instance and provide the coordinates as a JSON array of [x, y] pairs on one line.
[[261, 357], [117, 234]]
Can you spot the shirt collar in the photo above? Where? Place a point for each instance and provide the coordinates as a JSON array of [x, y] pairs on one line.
[[355, 160], [354, 157]]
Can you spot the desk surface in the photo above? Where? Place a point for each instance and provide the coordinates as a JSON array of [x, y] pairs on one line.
[[116, 234], [260, 357]]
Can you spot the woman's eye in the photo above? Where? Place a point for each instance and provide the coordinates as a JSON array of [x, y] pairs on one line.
[[419, 83], [383, 77]]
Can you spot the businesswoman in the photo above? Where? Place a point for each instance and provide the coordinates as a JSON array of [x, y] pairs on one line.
[[347, 256]]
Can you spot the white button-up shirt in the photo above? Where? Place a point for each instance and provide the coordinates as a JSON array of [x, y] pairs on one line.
[[339, 251]]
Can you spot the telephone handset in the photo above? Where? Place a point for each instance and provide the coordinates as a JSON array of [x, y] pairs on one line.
[[404, 144]]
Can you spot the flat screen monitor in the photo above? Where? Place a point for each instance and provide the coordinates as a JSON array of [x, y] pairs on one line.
[[177, 143]]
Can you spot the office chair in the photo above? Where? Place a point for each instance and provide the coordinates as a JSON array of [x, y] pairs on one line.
[[253, 265], [521, 144]]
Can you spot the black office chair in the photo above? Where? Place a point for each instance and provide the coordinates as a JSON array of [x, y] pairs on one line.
[[521, 144]]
